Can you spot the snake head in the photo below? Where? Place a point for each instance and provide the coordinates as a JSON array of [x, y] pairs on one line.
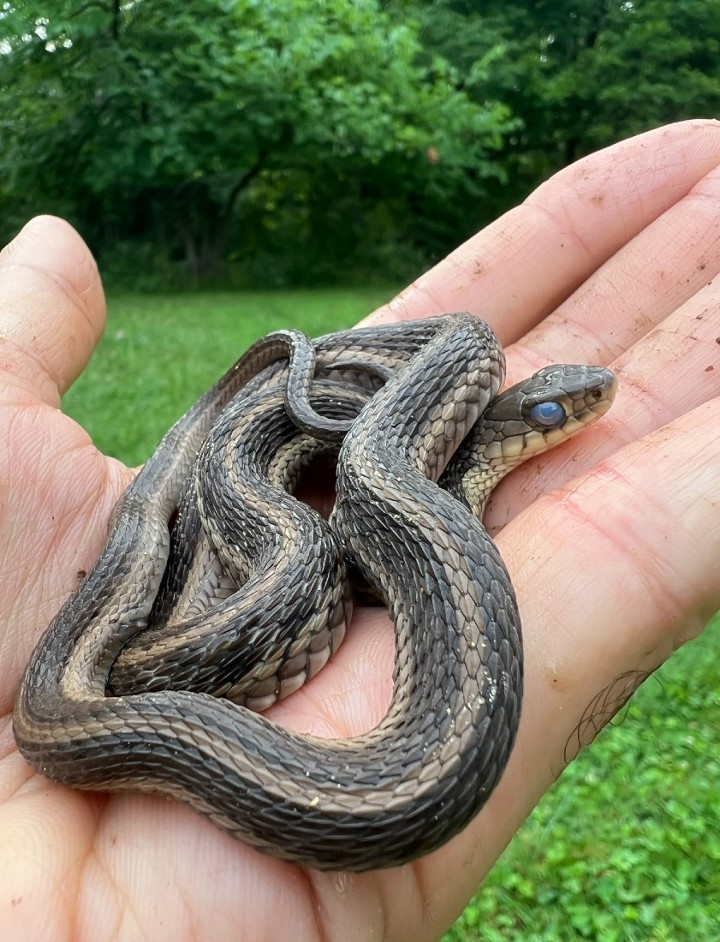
[[564, 397], [525, 420]]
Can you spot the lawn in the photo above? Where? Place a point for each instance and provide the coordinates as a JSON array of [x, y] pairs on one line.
[[626, 846], [160, 352]]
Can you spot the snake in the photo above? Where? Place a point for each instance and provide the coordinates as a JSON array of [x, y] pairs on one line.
[[218, 592]]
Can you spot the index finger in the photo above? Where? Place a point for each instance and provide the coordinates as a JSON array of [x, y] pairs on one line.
[[521, 267]]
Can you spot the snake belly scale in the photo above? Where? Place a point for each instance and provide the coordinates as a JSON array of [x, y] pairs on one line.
[[418, 778]]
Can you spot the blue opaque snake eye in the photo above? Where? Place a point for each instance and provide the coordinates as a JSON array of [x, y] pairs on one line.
[[548, 414]]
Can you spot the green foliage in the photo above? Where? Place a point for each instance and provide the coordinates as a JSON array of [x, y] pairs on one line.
[[579, 74], [156, 117], [293, 142]]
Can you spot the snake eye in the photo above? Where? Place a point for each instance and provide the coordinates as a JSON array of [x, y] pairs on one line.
[[548, 414]]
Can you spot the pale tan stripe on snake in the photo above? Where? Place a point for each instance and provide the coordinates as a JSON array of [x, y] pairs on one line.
[[412, 783]]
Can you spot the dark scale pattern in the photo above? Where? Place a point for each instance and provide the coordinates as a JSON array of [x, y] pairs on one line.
[[376, 800], [284, 558]]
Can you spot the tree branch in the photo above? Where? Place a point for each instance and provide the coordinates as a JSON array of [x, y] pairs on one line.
[[244, 181]]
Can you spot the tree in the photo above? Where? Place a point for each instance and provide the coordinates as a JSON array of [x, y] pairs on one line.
[[161, 119], [577, 74]]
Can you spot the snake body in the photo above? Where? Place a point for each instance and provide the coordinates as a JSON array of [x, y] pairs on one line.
[[97, 709]]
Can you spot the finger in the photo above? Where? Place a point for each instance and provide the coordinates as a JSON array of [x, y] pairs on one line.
[[521, 267], [52, 309], [634, 548], [644, 282], [670, 371]]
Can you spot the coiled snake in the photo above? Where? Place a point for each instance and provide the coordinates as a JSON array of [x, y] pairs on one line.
[[216, 585]]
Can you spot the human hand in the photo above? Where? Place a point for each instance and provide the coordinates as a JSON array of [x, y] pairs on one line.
[[611, 261]]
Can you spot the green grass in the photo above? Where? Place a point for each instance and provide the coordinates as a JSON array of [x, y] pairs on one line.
[[160, 352], [626, 846]]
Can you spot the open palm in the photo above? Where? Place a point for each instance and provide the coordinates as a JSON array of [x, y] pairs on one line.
[[611, 261]]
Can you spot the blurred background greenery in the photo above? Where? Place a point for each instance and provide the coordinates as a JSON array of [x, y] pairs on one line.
[[238, 143]]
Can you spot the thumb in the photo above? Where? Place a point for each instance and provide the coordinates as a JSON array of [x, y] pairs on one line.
[[52, 309]]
